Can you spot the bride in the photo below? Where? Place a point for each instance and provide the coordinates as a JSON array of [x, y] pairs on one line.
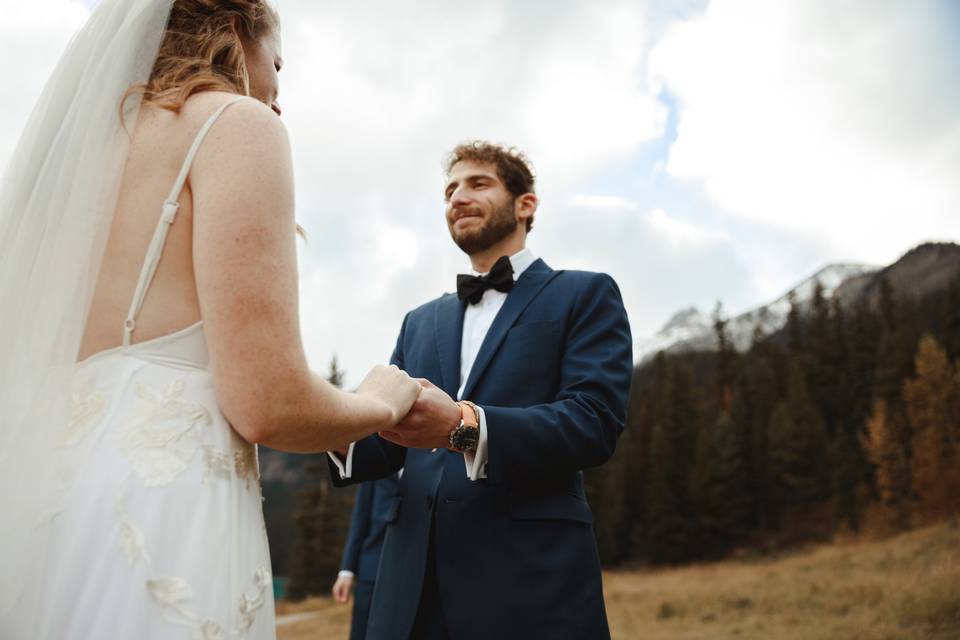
[[149, 331]]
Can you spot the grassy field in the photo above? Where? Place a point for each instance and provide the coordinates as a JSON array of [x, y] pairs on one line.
[[907, 587]]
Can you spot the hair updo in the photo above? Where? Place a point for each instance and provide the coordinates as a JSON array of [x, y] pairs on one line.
[[201, 49]]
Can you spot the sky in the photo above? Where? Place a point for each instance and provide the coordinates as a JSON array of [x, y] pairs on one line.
[[696, 150]]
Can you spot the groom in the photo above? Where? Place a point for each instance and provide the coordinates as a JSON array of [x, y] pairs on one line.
[[490, 534]]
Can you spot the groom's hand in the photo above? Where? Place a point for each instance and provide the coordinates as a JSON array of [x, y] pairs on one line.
[[428, 425]]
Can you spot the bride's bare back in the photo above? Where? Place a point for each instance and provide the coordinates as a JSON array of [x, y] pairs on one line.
[[230, 261], [159, 144]]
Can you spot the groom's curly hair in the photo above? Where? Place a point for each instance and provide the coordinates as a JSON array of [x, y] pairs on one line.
[[201, 50], [513, 167]]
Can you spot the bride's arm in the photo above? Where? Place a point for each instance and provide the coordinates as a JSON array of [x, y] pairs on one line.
[[246, 273]]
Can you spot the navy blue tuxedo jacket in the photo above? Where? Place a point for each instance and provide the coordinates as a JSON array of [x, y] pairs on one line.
[[368, 526], [516, 555]]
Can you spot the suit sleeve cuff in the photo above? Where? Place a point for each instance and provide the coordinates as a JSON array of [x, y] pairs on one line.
[[476, 462], [345, 467]]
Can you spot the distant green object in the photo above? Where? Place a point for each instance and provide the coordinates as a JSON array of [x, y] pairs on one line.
[[279, 587]]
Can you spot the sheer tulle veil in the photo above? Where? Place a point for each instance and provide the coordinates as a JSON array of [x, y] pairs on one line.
[[57, 197]]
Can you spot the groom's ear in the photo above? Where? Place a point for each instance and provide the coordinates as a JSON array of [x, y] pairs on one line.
[[525, 206]]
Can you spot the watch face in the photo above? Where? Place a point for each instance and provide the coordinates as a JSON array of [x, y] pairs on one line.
[[465, 438]]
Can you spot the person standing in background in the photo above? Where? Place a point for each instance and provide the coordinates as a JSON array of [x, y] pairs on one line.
[[361, 553]]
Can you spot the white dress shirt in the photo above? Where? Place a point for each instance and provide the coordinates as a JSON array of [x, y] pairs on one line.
[[476, 323]]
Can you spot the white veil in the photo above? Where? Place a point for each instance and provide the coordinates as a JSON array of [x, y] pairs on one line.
[[57, 198]]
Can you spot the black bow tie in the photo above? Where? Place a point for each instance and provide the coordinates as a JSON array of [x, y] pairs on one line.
[[471, 288]]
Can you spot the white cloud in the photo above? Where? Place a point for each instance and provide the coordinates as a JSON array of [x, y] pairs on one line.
[[660, 262], [819, 129], [387, 88], [839, 121], [600, 203], [375, 94], [683, 234]]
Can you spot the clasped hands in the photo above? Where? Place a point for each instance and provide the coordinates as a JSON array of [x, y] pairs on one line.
[[429, 422]]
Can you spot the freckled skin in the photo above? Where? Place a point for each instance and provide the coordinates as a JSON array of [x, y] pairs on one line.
[[230, 260]]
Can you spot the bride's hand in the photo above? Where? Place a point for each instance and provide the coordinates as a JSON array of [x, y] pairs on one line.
[[393, 387]]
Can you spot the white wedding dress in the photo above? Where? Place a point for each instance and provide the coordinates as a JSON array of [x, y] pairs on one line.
[[163, 534]]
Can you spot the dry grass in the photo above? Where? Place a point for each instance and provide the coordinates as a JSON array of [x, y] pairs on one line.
[[330, 620], [903, 588]]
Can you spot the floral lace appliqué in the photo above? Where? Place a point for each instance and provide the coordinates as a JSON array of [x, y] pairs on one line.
[[173, 594], [87, 404], [169, 592], [160, 438], [210, 630], [249, 604], [132, 540], [216, 463], [245, 464]]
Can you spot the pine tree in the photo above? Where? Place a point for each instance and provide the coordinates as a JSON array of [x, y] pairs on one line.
[[754, 399], [897, 346], [307, 571], [797, 442], [671, 529], [726, 356], [861, 336], [847, 462], [933, 407], [794, 327], [950, 319], [670, 532], [336, 375], [719, 486], [821, 358], [646, 400]]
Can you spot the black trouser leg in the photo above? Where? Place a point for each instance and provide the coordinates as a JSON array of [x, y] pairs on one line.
[[362, 595], [429, 622]]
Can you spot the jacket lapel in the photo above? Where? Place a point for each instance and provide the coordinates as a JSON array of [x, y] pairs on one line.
[[524, 291], [449, 332]]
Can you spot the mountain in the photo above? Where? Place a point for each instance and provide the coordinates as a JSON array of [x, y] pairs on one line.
[[924, 269], [692, 330]]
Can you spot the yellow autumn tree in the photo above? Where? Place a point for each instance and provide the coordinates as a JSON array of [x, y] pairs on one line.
[[883, 444], [932, 401]]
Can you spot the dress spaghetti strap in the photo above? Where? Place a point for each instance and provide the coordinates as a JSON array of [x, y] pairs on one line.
[[167, 216]]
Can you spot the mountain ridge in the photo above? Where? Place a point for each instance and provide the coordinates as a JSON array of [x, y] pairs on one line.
[[692, 329], [926, 267]]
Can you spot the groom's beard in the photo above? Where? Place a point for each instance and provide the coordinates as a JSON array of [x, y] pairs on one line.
[[499, 224]]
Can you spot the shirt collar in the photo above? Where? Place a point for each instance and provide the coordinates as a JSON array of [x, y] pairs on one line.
[[520, 262]]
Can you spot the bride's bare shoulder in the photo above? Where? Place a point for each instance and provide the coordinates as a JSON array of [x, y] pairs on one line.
[[248, 113], [247, 126], [247, 148]]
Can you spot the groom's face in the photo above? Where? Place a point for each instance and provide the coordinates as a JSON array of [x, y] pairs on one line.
[[480, 210]]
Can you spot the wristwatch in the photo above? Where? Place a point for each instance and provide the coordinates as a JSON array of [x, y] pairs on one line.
[[466, 435]]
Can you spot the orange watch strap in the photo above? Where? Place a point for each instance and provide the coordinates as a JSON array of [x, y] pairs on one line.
[[469, 414]]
